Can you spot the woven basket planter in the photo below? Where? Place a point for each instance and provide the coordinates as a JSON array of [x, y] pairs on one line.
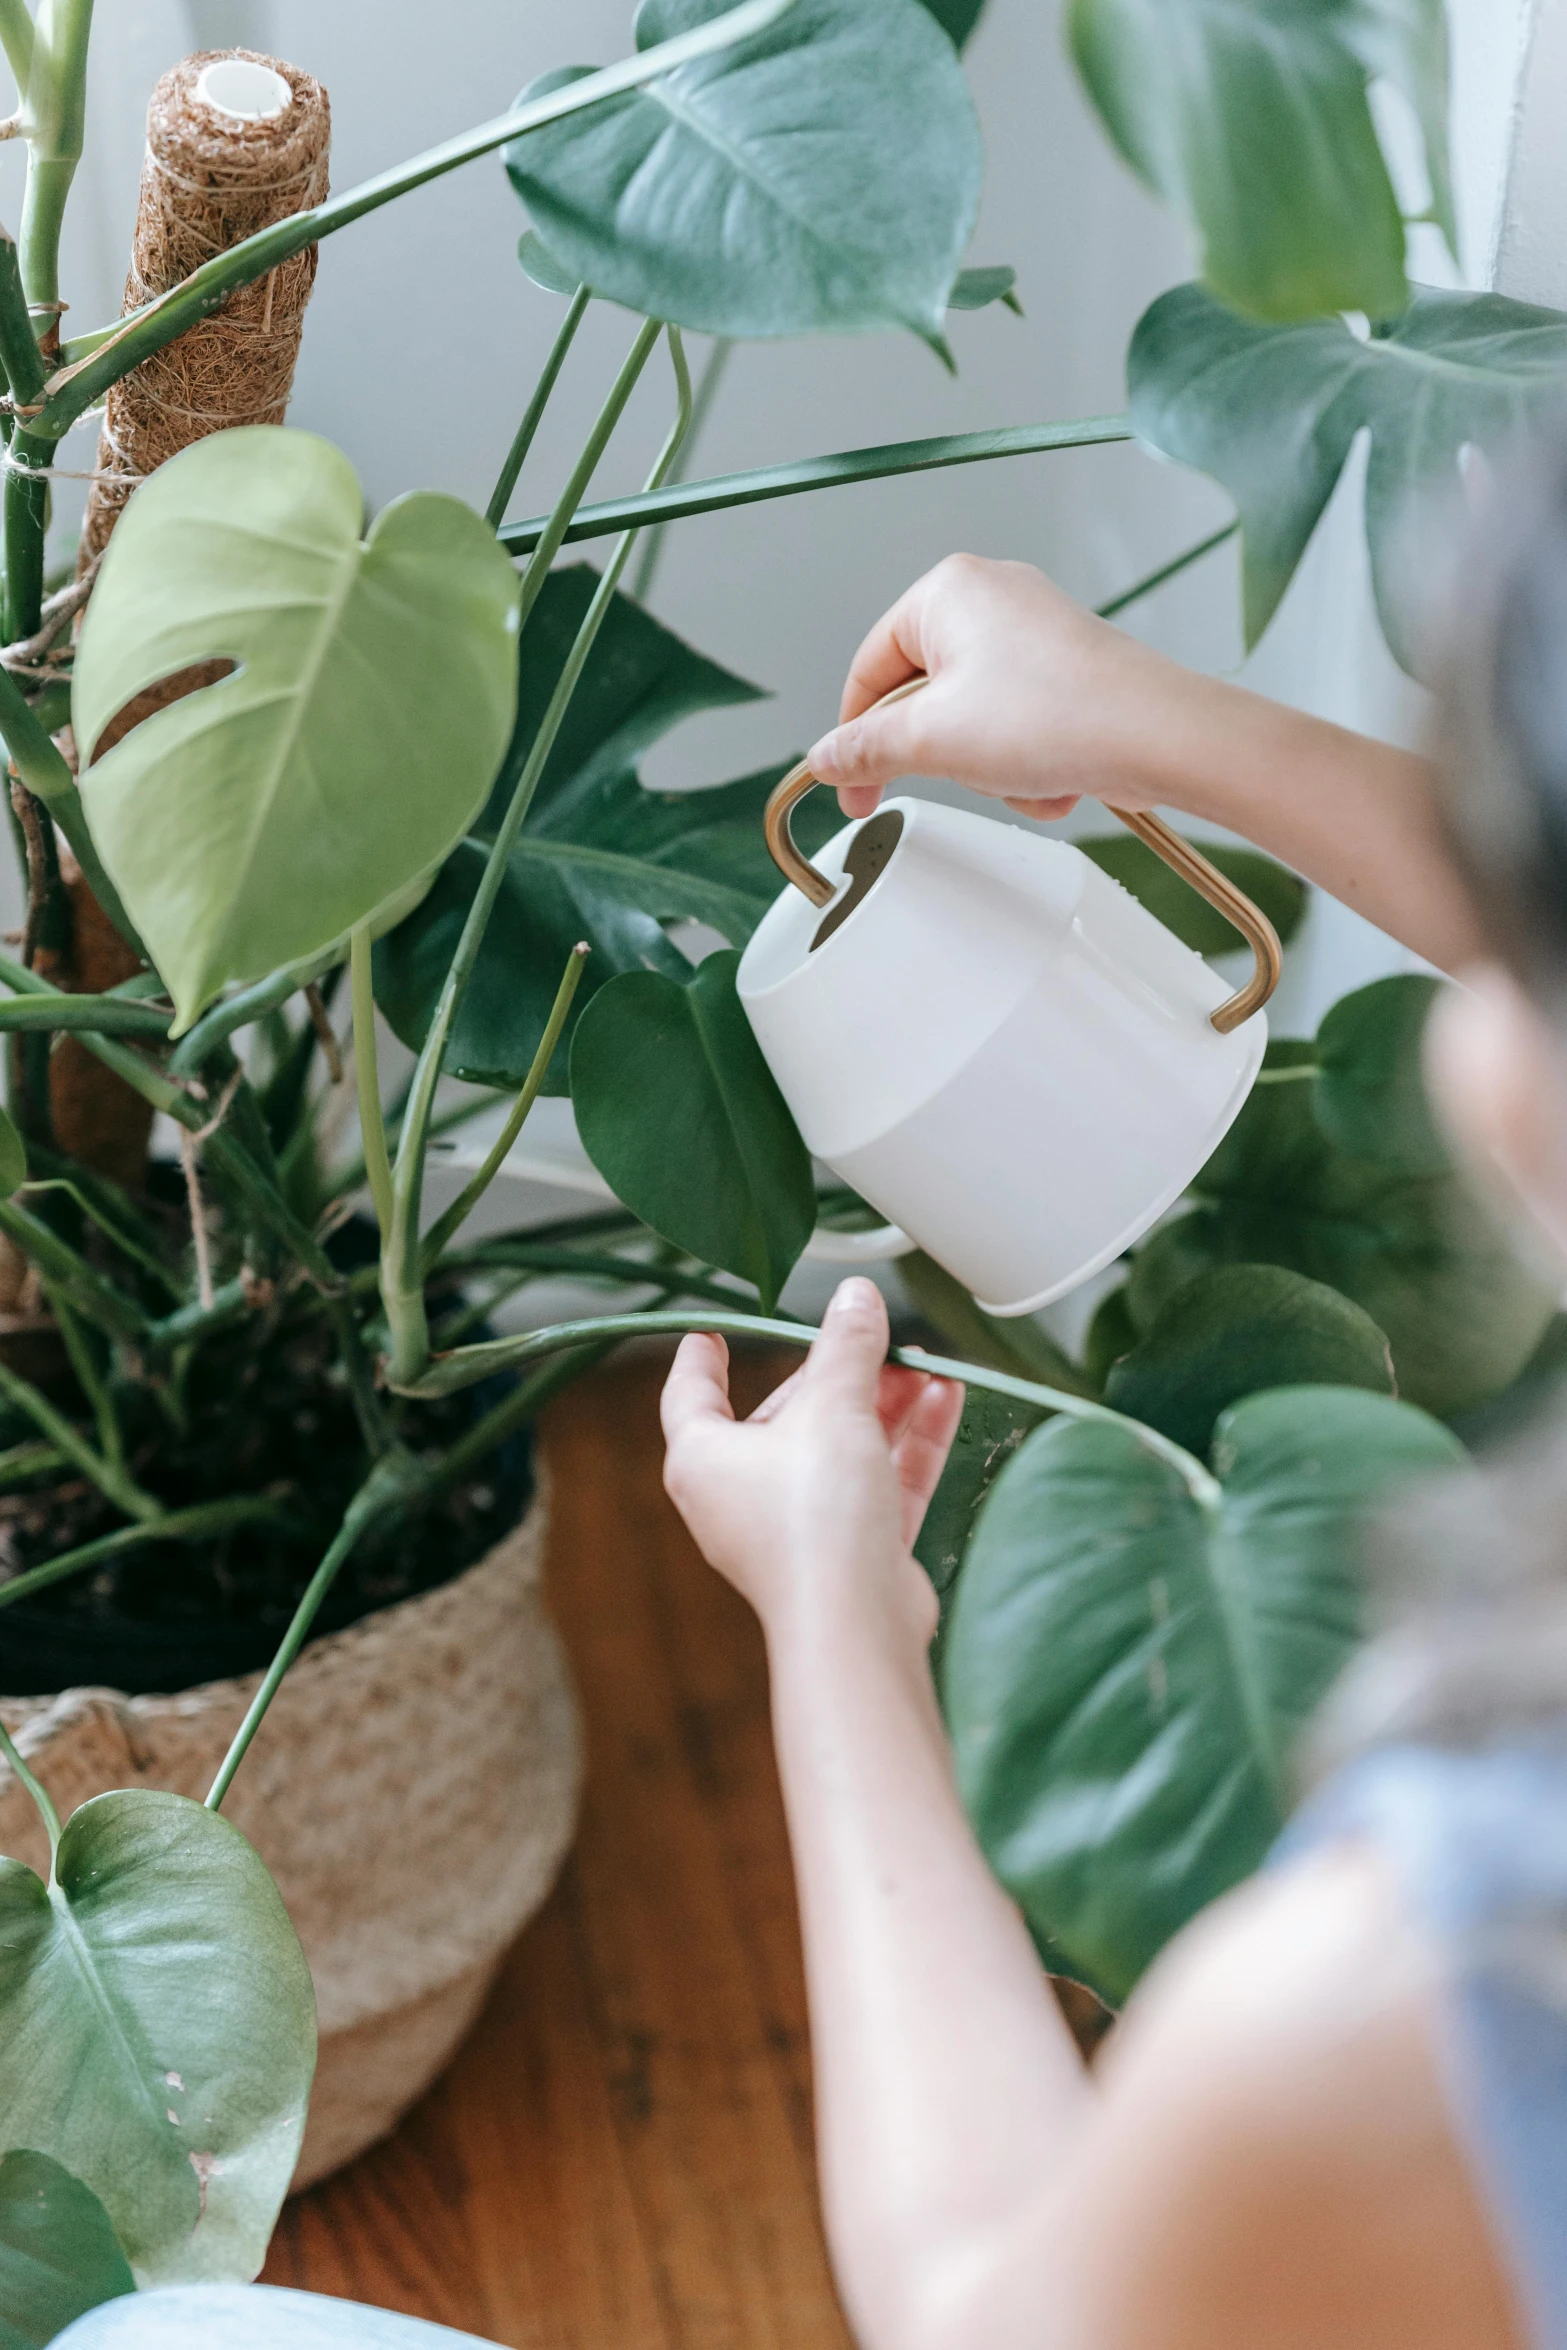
[[412, 1790]]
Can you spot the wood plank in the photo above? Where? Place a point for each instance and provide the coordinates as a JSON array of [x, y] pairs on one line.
[[620, 2158]]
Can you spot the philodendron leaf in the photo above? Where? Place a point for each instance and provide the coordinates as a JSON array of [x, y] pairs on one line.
[[1280, 893], [257, 819], [1129, 1660], [822, 176], [58, 2254], [599, 858], [975, 289], [681, 1116], [1253, 116], [540, 264], [13, 1157], [1421, 1254], [1371, 1096], [1271, 413], [1235, 1331], [159, 2030]]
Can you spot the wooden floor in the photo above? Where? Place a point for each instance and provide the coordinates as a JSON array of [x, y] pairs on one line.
[[620, 2157]]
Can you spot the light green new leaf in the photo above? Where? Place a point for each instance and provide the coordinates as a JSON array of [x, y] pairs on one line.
[[1128, 1662], [1279, 893], [822, 176], [58, 2254], [1252, 116], [1271, 413], [1231, 1333], [374, 681], [159, 2030], [681, 1116]]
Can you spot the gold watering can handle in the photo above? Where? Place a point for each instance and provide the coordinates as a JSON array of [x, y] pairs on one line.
[[1178, 854]]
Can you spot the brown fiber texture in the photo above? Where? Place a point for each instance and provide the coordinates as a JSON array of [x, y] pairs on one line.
[[208, 181]]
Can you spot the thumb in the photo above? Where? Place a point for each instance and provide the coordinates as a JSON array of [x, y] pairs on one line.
[[875, 749], [850, 1348]]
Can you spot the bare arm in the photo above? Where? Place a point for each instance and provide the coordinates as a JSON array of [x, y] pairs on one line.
[[1034, 701]]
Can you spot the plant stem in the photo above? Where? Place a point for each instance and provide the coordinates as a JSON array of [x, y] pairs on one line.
[[516, 455], [387, 1485], [552, 537], [38, 1792], [56, 105], [1172, 570], [19, 353], [725, 490], [16, 38], [122, 1490], [192, 1525], [46, 774], [92, 1296], [249, 1005], [468, 1199], [367, 1077], [718, 358], [21, 1461], [113, 1015], [472, 1363], [114, 351], [89, 1379]]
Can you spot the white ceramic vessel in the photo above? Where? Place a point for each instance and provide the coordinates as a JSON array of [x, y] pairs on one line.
[[997, 1046]]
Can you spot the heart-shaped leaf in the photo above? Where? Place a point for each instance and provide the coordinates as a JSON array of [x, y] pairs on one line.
[[159, 2027], [1253, 116], [256, 820], [58, 2254], [1371, 1096], [823, 175], [1235, 1331], [1131, 1654], [599, 858], [1271, 413], [1421, 1254], [681, 1116], [1280, 894]]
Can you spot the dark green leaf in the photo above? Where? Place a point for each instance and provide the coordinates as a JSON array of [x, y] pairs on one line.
[[680, 1114], [1234, 1331], [58, 2254], [159, 2027], [1127, 1663], [1016, 1343], [1280, 893], [957, 18], [13, 1157], [823, 175], [1253, 116], [1271, 413], [989, 1433], [1421, 1254], [975, 289], [1371, 1092]]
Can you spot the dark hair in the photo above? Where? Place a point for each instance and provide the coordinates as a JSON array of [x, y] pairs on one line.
[[1503, 757]]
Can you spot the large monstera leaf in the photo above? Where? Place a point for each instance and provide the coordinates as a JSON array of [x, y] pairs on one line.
[[1271, 413], [683, 1118], [370, 698], [599, 858], [822, 176], [1253, 117], [159, 2030], [1383, 1222], [1132, 1651], [1280, 894], [58, 2254]]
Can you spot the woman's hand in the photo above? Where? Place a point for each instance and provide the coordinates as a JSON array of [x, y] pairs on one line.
[[810, 1507], [1032, 700]]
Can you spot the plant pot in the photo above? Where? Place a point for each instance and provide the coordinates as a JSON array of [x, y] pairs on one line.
[[412, 1789]]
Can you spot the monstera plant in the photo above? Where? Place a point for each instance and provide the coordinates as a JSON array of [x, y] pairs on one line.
[[404, 779]]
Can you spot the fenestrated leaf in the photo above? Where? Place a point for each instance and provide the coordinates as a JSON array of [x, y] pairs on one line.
[[1235, 1331], [1253, 117], [58, 2254], [599, 858], [1271, 412], [1421, 1254], [1128, 1661], [13, 1157], [1371, 1094], [159, 2030], [822, 176], [258, 819], [681, 1116], [1280, 893]]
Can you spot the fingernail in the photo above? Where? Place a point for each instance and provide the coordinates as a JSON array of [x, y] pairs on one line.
[[823, 759], [854, 1295]]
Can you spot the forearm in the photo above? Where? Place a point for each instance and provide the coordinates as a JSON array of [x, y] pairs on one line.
[[947, 2085], [1355, 816]]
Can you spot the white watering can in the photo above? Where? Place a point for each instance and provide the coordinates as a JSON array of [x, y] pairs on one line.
[[992, 1042]]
